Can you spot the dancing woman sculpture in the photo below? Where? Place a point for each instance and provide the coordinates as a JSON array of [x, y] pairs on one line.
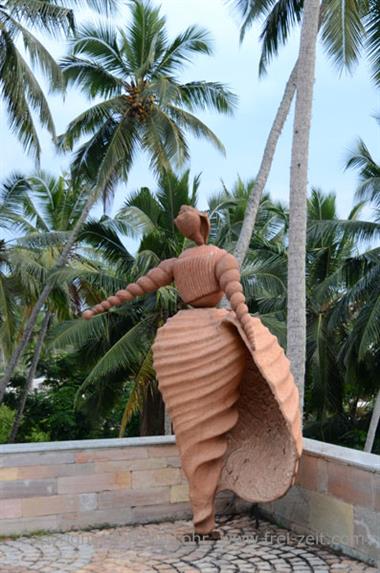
[[224, 379]]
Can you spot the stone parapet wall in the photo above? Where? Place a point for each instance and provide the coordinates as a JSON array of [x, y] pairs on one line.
[[336, 498], [91, 483], [65, 485]]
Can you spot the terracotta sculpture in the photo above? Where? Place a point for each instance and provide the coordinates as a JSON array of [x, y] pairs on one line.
[[224, 379]]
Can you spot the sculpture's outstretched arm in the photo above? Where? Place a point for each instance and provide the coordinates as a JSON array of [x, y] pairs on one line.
[[228, 274], [160, 276]]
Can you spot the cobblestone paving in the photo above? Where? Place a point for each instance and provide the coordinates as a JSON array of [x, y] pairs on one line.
[[161, 548]]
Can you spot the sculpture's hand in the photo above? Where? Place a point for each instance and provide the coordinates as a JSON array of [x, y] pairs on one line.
[[228, 274], [156, 278]]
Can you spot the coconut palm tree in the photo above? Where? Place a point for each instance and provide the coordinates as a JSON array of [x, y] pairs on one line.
[[147, 108], [296, 317], [300, 83], [144, 105], [19, 88]]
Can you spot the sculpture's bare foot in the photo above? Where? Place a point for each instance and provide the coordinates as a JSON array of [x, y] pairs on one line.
[[213, 535]]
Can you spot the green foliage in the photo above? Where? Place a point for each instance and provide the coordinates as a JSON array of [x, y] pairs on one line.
[[38, 436], [50, 413], [6, 420]]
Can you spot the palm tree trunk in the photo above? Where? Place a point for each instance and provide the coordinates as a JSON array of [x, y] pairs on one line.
[[62, 260], [253, 202], [265, 166], [296, 324], [373, 425], [30, 377], [152, 419]]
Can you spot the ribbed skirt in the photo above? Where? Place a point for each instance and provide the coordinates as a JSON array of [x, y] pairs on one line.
[[234, 408]]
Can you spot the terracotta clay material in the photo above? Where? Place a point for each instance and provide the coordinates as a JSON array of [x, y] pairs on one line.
[[225, 380]]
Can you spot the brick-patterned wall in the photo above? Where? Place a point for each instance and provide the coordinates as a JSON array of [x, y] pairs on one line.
[[336, 498], [67, 485]]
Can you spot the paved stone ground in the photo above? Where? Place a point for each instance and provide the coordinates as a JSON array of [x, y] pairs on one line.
[[160, 548]]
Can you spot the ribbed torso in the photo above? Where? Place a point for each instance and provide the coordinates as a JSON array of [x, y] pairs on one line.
[[194, 272]]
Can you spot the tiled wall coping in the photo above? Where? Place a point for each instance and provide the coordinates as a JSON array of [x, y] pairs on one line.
[[357, 458], [85, 444], [362, 460]]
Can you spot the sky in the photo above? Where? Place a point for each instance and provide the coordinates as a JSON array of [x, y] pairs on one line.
[[344, 109]]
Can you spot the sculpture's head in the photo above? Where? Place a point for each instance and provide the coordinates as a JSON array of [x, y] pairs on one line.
[[193, 224]]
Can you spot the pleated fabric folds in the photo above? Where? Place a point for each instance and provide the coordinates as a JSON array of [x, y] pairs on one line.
[[234, 408]]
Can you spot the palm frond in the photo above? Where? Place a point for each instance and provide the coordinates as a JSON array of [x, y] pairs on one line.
[[143, 377], [146, 203], [372, 26], [124, 353], [249, 11], [278, 23], [12, 193], [89, 122], [42, 14], [103, 237], [342, 31], [133, 222], [107, 155], [91, 77], [105, 7], [78, 333], [359, 230], [145, 36], [100, 45], [118, 154], [19, 87], [191, 123], [368, 324], [172, 137], [360, 158], [153, 139], [203, 95], [194, 40], [39, 55]]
